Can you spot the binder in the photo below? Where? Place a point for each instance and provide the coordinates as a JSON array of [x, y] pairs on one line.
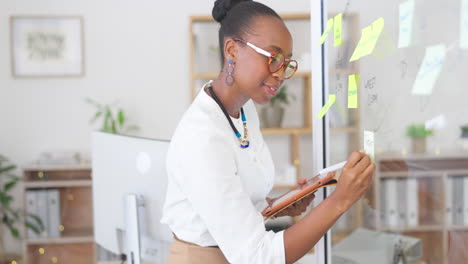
[[458, 201], [412, 213], [42, 211], [31, 209], [402, 199], [53, 207], [383, 203], [391, 200], [449, 201], [465, 200]]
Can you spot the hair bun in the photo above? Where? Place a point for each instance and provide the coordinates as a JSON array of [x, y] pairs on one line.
[[222, 7]]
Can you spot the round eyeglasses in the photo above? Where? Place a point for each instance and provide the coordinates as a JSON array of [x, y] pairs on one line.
[[276, 62]]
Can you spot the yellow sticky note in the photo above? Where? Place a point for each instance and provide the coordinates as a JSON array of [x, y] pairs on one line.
[[325, 33], [353, 81], [338, 29], [369, 37], [331, 101]]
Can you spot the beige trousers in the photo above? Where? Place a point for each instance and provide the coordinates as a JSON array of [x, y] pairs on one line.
[[182, 252]]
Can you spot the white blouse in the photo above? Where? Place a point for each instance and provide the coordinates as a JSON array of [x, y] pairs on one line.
[[216, 189]]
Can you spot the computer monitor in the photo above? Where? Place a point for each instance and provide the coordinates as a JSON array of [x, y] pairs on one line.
[[129, 187]]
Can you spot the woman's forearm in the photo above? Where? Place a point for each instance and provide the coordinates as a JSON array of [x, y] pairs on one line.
[[302, 236]]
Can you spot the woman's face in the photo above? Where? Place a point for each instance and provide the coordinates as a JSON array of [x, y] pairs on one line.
[[253, 77]]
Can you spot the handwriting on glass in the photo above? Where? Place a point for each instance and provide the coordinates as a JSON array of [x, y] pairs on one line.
[[404, 68], [339, 84], [372, 95]]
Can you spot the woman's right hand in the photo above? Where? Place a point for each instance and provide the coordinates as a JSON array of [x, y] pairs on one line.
[[356, 177]]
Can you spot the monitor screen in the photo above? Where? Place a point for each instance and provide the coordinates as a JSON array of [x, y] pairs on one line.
[[129, 165]]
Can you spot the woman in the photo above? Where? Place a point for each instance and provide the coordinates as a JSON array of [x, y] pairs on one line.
[[220, 169]]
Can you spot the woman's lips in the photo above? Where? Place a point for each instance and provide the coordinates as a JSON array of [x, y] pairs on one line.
[[271, 90]]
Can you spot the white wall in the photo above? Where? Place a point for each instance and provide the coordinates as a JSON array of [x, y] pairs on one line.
[[126, 43]]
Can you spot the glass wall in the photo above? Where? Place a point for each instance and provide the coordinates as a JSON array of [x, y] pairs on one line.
[[396, 73]]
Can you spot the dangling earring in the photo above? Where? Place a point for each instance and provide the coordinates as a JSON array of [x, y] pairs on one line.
[[230, 71]]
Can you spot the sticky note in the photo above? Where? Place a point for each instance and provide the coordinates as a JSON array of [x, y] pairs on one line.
[[331, 101], [325, 33], [353, 81], [406, 23], [429, 70], [338, 29], [369, 37], [464, 24], [369, 144]]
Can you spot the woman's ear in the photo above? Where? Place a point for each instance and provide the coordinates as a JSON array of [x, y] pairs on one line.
[[230, 50]]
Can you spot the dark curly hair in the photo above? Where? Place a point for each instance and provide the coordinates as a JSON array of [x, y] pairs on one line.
[[235, 17]]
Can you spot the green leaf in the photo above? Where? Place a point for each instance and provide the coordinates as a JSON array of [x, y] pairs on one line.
[[15, 214], [113, 127], [5, 199], [8, 168], [38, 221], [9, 185], [14, 232], [120, 117], [107, 120], [5, 219], [32, 227], [95, 117], [93, 102], [418, 131], [12, 177]]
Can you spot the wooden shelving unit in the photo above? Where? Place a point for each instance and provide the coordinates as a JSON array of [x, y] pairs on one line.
[[432, 173], [76, 241]]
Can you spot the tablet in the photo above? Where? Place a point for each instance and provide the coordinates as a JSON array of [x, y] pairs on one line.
[[289, 198]]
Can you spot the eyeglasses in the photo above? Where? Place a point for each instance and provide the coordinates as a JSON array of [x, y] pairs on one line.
[[275, 61]]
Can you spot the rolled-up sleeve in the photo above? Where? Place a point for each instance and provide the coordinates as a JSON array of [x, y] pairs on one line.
[[207, 175]]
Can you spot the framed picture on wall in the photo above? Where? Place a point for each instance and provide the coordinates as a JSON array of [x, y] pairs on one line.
[[47, 46]]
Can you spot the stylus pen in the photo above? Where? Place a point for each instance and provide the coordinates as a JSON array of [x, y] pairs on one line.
[[335, 167], [327, 170]]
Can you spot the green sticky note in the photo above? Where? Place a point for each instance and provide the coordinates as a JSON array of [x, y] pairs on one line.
[[338, 29], [331, 101], [464, 25], [406, 23], [325, 33], [430, 69], [353, 81], [369, 37], [369, 145]]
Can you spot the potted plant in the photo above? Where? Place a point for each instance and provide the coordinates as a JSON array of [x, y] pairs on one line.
[[418, 134], [113, 120], [464, 137], [464, 131], [13, 218], [272, 114]]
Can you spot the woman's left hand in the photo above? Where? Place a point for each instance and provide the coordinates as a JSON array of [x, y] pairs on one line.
[[300, 206]]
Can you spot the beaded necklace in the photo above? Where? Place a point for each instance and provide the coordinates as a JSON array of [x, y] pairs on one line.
[[243, 140]]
